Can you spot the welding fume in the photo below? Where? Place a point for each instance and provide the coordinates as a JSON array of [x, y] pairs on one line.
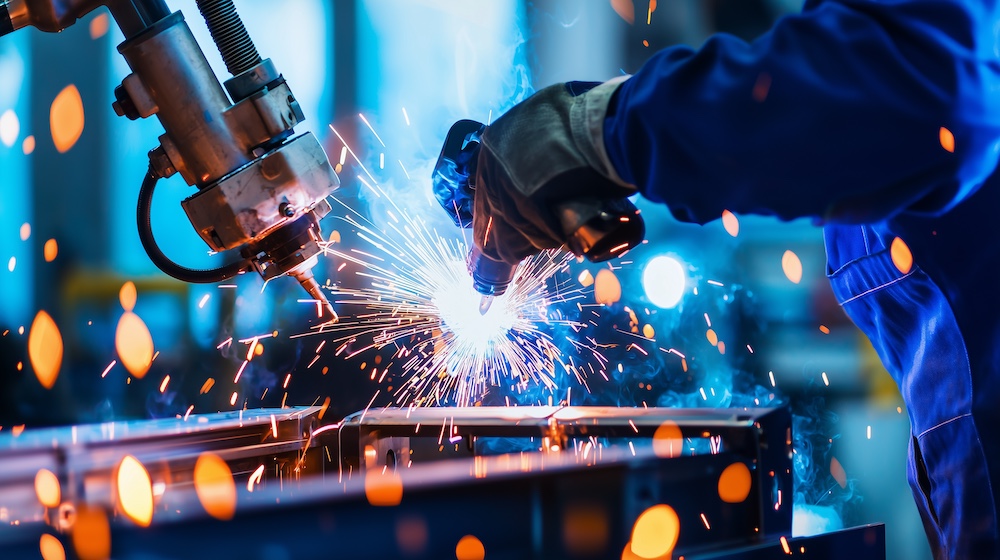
[[261, 189]]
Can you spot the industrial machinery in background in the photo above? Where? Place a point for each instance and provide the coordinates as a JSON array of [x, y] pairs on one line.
[[598, 229], [261, 189], [504, 482]]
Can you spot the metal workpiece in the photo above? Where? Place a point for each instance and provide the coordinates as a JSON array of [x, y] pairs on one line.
[[83, 458], [385, 483], [178, 79], [277, 188]]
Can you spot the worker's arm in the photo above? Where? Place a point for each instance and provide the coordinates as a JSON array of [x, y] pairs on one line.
[[836, 114]]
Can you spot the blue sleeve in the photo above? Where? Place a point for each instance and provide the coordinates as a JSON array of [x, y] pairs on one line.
[[843, 113]]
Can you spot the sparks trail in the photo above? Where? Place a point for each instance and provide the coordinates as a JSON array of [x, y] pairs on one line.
[[419, 299]]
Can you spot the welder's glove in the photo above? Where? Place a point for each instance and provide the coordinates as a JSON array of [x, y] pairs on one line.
[[547, 150]]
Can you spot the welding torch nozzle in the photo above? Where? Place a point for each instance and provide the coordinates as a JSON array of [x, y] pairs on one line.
[[316, 291]]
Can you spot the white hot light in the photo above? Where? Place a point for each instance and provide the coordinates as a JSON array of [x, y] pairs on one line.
[[458, 304], [664, 280], [10, 127]]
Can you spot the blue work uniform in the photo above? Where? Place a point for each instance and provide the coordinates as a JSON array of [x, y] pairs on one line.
[[881, 121]]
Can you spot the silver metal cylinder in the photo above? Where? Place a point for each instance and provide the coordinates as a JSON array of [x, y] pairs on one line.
[[189, 98]]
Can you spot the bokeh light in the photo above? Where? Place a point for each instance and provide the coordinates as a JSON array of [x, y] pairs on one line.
[[134, 491], [45, 349], [838, 473], [10, 127], [412, 535], [586, 529], [947, 139], [731, 223], [734, 483], [655, 532], [791, 266], [127, 296], [51, 250], [92, 533], [383, 489], [47, 488], [664, 281], [470, 548], [607, 288], [625, 9], [901, 255], [668, 440], [99, 26], [134, 344], [51, 548], [214, 484], [66, 119]]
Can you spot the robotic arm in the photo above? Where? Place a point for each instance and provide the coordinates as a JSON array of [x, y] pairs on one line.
[[261, 190]]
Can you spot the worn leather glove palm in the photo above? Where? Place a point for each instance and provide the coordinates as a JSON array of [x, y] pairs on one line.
[[546, 151]]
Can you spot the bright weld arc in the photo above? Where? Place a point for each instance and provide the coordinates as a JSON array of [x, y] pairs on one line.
[[436, 358]]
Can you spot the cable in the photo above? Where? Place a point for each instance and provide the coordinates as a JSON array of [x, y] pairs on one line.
[[163, 262]]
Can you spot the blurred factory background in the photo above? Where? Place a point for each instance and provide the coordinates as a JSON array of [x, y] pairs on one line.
[[71, 171]]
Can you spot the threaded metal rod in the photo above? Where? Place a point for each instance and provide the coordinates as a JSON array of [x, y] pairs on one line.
[[226, 27]]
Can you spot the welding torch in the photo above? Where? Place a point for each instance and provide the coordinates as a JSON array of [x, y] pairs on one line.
[[261, 190], [596, 228]]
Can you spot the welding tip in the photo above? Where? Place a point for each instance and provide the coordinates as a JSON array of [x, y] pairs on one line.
[[316, 291], [484, 304]]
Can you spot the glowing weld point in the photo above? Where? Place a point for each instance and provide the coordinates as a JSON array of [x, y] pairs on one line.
[[484, 304], [454, 439], [255, 478]]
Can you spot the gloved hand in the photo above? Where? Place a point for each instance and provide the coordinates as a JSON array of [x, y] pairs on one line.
[[547, 150]]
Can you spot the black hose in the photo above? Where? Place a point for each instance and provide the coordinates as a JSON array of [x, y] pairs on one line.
[[163, 262], [226, 27]]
